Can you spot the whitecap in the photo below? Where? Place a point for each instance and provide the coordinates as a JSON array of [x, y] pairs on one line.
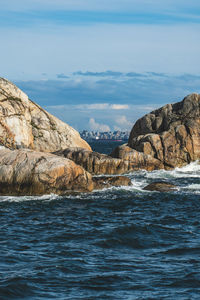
[[193, 186], [49, 197], [191, 170], [192, 167]]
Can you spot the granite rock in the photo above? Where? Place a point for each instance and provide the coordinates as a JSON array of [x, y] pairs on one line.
[[24, 124], [94, 162], [168, 137], [136, 160], [102, 182], [27, 172], [161, 186]]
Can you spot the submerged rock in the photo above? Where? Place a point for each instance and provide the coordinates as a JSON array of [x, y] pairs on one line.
[[24, 124], [160, 186], [94, 162], [26, 172], [168, 137], [106, 182]]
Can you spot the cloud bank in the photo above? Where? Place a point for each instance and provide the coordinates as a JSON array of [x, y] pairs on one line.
[[113, 102], [94, 126]]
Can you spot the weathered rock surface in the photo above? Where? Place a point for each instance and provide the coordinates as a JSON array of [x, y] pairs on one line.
[[94, 162], [137, 160], [26, 172], [24, 124], [107, 182], [160, 186], [167, 137]]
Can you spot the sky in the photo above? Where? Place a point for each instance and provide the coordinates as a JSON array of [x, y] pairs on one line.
[[101, 64]]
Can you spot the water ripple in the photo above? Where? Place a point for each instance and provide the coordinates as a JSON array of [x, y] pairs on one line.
[[120, 243]]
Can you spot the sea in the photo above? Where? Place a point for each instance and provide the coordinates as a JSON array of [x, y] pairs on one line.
[[118, 243]]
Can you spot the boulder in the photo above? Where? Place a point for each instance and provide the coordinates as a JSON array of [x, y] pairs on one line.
[[26, 172], [24, 124], [160, 186], [94, 162], [168, 137], [137, 160], [102, 182]]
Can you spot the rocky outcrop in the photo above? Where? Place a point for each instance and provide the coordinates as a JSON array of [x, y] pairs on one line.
[[94, 162], [137, 160], [26, 172], [103, 182], [24, 124], [167, 137], [161, 186]]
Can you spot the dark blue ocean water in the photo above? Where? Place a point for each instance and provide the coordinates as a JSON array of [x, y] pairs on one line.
[[119, 243]]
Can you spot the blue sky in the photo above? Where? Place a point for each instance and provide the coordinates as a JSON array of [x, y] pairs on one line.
[[101, 64]]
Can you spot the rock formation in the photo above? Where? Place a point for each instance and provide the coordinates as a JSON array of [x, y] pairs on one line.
[[136, 160], [102, 182], [165, 138], [94, 162], [27, 172], [161, 186], [24, 124]]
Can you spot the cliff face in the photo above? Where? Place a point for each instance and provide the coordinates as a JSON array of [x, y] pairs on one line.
[[24, 124], [170, 134]]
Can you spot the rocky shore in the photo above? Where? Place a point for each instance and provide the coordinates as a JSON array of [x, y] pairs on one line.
[[40, 154], [166, 138]]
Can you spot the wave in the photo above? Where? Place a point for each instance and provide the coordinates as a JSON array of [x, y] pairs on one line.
[[186, 178], [192, 167], [191, 170], [49, 197]]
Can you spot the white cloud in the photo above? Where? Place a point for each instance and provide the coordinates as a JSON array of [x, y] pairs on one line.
[[117, 128], [98, 127], [144, 107], [124, 123], [119, 106], [95, 106], [102, 106], [72, 102]]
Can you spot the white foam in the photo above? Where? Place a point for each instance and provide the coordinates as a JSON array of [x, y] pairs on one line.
[[192, 170], [192, 187], [192, 167], [28, 198], [138, 185]]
